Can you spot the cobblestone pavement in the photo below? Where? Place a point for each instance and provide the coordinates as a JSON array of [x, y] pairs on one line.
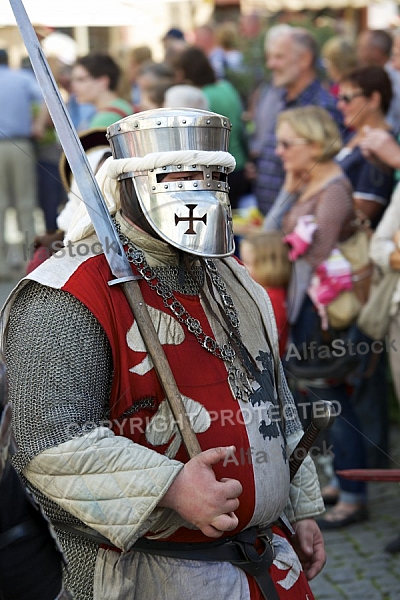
[[357, 568]]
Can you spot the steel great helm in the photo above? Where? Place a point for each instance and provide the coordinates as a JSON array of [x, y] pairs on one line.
[[194, 216]]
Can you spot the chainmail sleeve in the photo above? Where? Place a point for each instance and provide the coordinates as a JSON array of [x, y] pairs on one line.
[[60, 370]]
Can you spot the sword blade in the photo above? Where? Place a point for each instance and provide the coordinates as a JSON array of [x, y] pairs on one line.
[[85, 179]]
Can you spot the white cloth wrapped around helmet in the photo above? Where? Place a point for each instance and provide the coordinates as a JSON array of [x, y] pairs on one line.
[[194, 216]]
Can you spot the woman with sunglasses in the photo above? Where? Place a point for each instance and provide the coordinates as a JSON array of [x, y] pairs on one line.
[[316, 188], [364, 99]]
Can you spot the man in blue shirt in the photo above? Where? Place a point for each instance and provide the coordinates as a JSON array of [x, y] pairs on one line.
[[18, 94], [292, 57]]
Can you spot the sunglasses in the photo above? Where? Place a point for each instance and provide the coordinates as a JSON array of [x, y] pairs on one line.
[[347, 98], [286, 144]]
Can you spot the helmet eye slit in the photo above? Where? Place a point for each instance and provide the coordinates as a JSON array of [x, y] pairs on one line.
[[173, 176]]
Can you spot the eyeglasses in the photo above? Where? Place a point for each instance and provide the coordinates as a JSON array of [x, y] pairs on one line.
[[347, 98], [286, 144]]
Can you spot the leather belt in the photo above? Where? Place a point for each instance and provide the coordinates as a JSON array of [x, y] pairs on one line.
[[240, 550]]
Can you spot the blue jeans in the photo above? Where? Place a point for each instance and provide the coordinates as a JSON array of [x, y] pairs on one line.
[[370, 399], [346, 440], [345, 435], [51, 193]]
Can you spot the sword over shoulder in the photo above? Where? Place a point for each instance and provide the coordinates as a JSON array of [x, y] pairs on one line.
[[102, 222], [80, 167]]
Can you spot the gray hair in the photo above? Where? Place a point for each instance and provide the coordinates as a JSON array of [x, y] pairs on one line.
[[381, 39], [187, 96], [306, 41], [301, 37], [274, 32]]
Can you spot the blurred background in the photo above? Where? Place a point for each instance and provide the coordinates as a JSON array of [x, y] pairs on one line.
[[113, 27]]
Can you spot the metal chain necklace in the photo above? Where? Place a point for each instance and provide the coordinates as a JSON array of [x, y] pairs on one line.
[[238, 380]]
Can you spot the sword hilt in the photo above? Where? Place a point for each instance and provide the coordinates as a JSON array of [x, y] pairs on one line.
[[323, 418]]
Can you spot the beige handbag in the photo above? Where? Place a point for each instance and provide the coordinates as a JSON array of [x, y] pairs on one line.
[[344, 309], [374, 317]]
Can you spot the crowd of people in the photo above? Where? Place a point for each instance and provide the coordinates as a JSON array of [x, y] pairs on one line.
[[311, 137]]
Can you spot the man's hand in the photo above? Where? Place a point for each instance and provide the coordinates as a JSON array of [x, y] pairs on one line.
[[202, 500], [309, 545], [380, 144]]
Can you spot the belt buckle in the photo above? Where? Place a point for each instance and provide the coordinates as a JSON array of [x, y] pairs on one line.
[[267, 539], [254, 561]]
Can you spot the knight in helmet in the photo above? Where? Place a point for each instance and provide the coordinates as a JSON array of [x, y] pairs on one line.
[[98, 443]]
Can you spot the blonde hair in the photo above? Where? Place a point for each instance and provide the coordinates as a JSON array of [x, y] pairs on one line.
[[227, 35], [140, 54], [341, 53], [314, 124], [271, 267]]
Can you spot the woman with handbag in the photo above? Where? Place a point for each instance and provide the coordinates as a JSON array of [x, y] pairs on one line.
[[364, 99], [317, 191]]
